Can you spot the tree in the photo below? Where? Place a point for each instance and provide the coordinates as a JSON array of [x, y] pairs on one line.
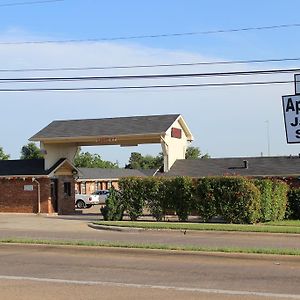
[[88, 160], [195, 153], [3, 156], [138, 161], [31, 151]]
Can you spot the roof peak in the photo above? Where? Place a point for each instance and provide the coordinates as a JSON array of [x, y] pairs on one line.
[[120, 117]]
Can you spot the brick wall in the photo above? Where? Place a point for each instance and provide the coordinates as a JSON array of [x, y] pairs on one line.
[[13, 197], [91, 186], [66, 203]]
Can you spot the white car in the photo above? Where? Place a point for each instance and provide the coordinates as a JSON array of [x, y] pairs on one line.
[[86, 200], [102, 194]]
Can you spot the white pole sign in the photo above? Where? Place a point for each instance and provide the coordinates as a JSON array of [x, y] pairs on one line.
[[291, 112]]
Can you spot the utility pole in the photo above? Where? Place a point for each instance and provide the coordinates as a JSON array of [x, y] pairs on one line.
[[268, 136]]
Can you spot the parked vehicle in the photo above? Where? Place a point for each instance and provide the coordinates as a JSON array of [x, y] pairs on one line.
[[102, 194], [86, 200]]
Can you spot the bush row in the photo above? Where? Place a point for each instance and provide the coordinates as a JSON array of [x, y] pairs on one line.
[[293, 208], [235, 199]]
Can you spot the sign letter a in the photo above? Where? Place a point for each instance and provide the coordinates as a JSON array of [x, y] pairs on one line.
[[290, 105]]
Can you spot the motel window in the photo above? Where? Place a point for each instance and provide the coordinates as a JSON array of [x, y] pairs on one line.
[[98, 185], [67, 188], [83, 188]]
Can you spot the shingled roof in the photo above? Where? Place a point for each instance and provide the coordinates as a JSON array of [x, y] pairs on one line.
[[137, 125], [22, 167], [27, 167], [282, 166]]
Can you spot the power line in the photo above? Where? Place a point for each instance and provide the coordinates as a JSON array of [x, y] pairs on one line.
[[29, 2], [152, 66], [281, 26], [149, 76], [147, 86]]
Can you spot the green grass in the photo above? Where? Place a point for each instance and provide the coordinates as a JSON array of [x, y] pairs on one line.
[[282, 227], [274, 251], [293, 223]]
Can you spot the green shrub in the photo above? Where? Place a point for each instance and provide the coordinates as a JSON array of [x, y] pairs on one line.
[[155, 196], [239, 200], [179, 193], [273, 198], [204, 201], [236, 199], [132, 194], [294, 204], [114, 207], [265, 187], [280, 191]]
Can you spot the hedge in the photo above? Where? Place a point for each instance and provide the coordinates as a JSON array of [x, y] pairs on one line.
[[114, 207], [273, 199], [294, 204], [236, 199], [179, 195], [132, 196]]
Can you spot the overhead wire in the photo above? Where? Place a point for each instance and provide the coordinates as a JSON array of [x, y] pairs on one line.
[[145, 86], [153, 65], [149, 76], [28, 2], [164, 35]]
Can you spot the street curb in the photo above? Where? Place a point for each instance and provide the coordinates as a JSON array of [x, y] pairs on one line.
[[116, 228]]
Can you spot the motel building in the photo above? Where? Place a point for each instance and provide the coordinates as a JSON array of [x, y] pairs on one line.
[[48, 185]]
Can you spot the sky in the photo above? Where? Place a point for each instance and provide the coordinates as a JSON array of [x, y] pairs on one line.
[[225, 121]]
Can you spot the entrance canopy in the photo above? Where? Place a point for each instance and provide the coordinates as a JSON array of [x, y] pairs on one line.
[[62, 138]]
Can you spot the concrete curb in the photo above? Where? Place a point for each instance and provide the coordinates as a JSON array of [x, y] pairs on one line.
[[116, 228], [189, 232]]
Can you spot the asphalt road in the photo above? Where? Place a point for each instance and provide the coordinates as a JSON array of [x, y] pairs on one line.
[[48, 272], [75, 228]]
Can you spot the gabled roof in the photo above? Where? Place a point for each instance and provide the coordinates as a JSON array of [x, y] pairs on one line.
[[29, 167], [282, 166], [138, 125], [99, 173]]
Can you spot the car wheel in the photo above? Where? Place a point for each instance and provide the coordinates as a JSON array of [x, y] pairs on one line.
[[80, 204]]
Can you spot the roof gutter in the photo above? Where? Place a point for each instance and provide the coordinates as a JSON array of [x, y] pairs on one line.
[[87, 138]]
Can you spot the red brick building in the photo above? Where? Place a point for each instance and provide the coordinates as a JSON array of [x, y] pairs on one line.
[[26, 187], [93, 179]]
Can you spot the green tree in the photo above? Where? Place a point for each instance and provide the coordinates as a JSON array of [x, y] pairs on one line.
[[138, 161], [3, 156], [31, 151], [195, 153], [88, 160]]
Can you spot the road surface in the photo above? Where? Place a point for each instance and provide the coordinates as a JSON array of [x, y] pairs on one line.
[[61, 272]]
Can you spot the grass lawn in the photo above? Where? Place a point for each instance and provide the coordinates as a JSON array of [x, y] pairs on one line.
[[293, 223], [152, 246], [288, 226]]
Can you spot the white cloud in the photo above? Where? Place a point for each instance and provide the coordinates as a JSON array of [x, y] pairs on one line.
[[225, 121]]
